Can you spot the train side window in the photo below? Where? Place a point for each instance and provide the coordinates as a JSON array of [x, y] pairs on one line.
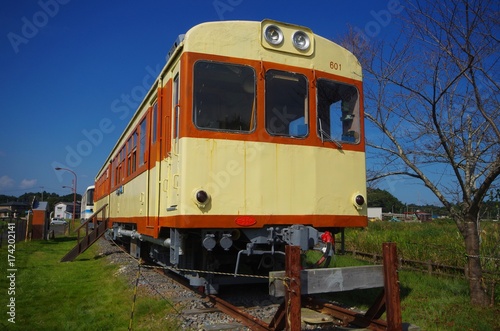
[[133, 153], [338, 111], [132, 149], [176, 106], [121, 166], [224, 97], [153, 124], [116, 176], [117, 173], [286, 104], [142, 142], [113, 179]]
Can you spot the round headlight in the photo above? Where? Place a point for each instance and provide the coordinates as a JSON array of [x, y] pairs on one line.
[[359, 201], [202, 196], [301, 40], [273, 35]]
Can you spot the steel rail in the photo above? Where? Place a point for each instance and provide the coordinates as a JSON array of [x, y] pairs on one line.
[[254, 323], [345, 315]]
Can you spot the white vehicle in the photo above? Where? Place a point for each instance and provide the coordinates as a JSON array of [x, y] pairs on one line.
[[87, 205], [58, 221]]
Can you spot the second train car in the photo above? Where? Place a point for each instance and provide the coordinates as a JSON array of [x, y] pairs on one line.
[[251, 138], [87, 204]]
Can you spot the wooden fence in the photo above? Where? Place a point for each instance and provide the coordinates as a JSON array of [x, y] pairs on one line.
[[491, 277], [426, 266], [13, 227]]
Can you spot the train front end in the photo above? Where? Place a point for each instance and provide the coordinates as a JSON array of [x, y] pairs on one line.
[[267, 149]]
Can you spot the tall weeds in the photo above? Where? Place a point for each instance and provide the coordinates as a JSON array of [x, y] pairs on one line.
[[438, 242]]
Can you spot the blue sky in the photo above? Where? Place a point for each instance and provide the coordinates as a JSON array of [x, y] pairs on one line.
[[65, 63]]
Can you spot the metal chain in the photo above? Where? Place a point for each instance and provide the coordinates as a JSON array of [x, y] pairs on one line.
[[198, 271], [214, 272]]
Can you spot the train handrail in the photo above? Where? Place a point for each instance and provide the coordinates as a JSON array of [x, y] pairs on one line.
[[92, 219]]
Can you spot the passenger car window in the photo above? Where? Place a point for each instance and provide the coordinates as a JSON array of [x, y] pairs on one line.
[[338, 111], [286, 104], [142, 142], [224, 97]]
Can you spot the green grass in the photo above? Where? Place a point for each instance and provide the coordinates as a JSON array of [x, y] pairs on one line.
[[429, 301], [433, 303], [81, 295], [436, 303]]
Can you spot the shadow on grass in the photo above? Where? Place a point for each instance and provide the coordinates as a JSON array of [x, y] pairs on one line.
[[59, 240], [404, 291], [102, 255], [364, 298], [98, 256]]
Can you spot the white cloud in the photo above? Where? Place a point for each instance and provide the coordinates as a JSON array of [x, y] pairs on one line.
[[27, 183], [6, 182]]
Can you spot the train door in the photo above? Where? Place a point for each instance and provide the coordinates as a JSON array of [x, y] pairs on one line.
[[154, 167], [174, 176], [166, 144]]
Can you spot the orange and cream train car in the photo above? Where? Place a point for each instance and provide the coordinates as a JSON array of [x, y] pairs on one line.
[[250, 139]]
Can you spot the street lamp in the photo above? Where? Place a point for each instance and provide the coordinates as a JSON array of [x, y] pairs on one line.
[[74, 192]]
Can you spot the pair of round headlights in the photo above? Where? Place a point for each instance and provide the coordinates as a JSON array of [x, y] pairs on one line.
[[274, 36]]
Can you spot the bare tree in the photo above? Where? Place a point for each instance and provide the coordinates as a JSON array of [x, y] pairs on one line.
[[432, 105]]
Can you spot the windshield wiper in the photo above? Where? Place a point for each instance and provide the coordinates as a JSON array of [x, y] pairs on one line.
[[322, 132]]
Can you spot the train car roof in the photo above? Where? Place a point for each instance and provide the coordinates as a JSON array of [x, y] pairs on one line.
[[238, 39]]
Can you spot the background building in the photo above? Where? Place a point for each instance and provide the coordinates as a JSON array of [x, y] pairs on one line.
[[64, 210], [13, 209]]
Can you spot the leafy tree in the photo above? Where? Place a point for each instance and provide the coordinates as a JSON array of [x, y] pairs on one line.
[[381, 198], [7, 198]]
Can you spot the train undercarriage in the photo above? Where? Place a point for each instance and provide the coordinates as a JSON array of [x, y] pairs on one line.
[[210, 258]]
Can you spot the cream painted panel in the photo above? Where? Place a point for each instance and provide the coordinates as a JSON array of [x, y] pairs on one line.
[[133, 199], [264, 179]]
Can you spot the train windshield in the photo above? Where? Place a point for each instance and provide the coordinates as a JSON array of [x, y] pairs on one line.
[[338, 111], [286, 104], [224, 97], [89, 195]]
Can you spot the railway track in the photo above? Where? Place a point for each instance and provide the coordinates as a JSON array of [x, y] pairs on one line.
[[234, 308]]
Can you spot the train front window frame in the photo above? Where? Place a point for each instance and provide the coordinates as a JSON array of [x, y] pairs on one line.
[[338, 112], [224, 97], [287, 104]]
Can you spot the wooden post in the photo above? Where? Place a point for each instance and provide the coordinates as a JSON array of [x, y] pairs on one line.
[[288, 316], [292, 296], [342, 241], [391, 287]]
